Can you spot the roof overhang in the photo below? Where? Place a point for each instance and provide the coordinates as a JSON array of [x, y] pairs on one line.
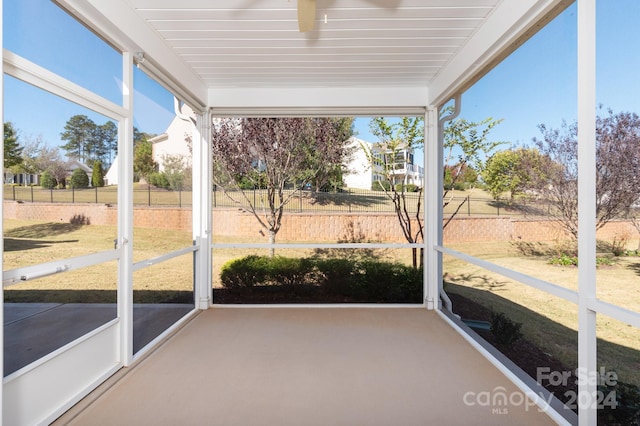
[[198, 51]]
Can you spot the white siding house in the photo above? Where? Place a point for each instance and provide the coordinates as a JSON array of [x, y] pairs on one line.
[[175, 141], [361, 175]]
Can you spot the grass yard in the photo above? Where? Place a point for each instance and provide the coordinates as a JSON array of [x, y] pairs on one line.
[[474, 202], [549, 322], [32, 242]]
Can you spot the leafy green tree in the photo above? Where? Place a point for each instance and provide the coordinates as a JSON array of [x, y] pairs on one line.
[[396, 141], [516, 171], [97, 176], [324, 169], [143, 163], [159, 180], [466, 144], [47, 180], [459, 177], [177, 171], [79, 179], [12, 149]]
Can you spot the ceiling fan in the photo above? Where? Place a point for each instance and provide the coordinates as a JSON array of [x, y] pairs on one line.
[[306, 15]]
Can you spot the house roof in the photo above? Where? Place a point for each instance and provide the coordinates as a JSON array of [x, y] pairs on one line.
[[382, 54]]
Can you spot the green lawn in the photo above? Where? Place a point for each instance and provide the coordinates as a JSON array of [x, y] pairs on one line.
[[475, 202], [548, 321]]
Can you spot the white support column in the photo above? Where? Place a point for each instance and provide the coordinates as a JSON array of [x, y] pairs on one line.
[[433, 209], [587, 350], [125, 213], [1, 219], [202, 188]]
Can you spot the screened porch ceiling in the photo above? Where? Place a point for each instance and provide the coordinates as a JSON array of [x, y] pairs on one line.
[[367, 54]]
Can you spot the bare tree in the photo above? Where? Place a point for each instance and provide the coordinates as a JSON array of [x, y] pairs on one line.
[[617, 168], [38, 157], [272, 154]]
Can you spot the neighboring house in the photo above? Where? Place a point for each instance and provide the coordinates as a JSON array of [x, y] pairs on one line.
[[111, 177], [175, 141], [74, 164], [361, 173], [23, 179]]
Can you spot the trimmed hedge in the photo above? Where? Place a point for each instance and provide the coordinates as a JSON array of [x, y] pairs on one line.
[[362, 281]]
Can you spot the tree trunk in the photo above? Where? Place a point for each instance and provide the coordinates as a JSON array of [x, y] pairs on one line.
[[272, 240]]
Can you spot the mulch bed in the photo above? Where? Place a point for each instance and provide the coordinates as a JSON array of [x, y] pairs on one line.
[[523, 353]]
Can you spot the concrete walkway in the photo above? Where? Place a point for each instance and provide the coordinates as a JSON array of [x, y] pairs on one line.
[[33, 330]]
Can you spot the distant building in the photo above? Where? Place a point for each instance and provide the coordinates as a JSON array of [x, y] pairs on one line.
[[173, 142], [361, 173], [24, 179]]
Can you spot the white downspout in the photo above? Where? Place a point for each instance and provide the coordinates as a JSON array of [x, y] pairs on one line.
[[201, 205], [434, 200]]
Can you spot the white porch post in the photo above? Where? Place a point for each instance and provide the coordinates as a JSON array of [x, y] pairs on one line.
[[2, 220], [202, 189], [587, 351], [433, 209], [125, 213]]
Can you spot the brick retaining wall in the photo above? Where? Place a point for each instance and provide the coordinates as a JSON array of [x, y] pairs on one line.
[[309, 227]]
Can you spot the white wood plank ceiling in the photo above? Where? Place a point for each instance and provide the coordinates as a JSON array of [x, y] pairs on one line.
[[372, 53], [364, 43]]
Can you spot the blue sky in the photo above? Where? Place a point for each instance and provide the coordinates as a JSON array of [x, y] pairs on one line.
[[536, 84]]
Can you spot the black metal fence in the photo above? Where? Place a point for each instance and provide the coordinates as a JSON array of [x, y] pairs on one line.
[[350, 201]]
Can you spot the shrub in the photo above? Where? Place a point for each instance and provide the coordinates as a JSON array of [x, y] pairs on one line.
[[564, 259], [97, 176], [47, 180], [335, 274], [568, 260], [80, 219], [505, 330], [619, 245], [256, 270], [366, 281], [244, 272], [620, 405], [159, 180], [289, 271], [79, 179], [407, 188], [381, 186], [387, 282]]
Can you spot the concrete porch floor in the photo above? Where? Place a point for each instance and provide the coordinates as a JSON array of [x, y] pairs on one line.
[[306, 366]]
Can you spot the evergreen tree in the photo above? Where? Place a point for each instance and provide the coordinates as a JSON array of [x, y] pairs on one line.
[[12, 149], [79, 132], [97, 177]]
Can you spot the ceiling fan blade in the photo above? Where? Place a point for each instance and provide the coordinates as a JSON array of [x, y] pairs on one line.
[[306, 15]]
